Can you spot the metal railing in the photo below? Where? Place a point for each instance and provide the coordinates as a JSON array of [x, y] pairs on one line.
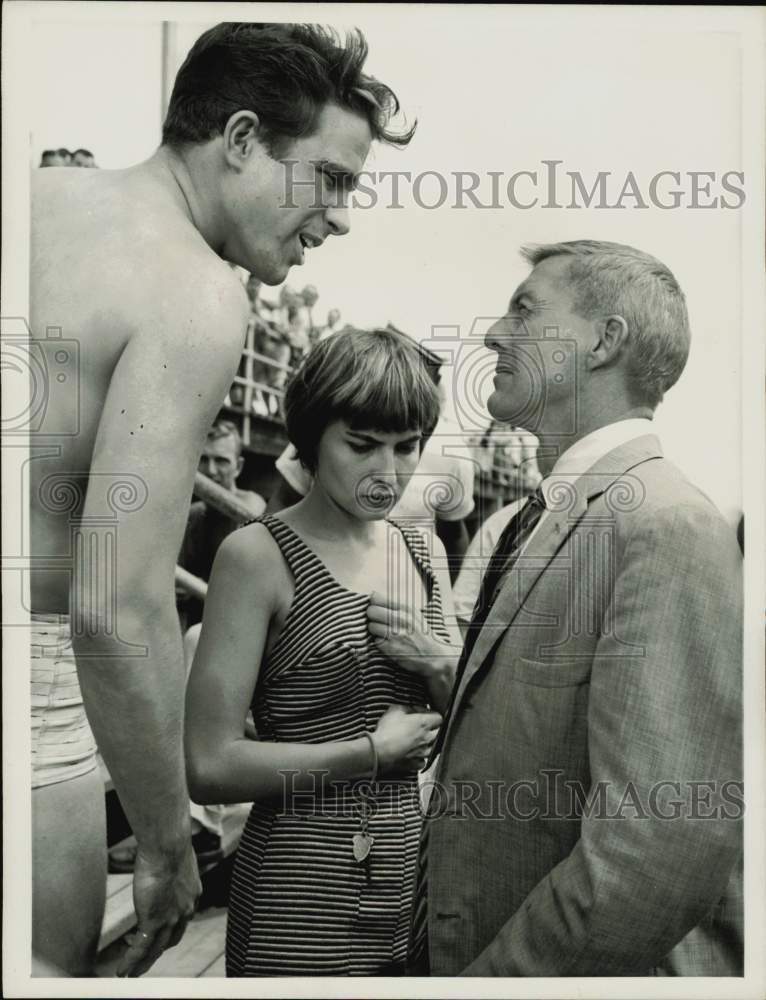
[[250, 386]]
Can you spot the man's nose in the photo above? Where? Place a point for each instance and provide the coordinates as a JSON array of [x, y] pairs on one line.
[[492, 338], [338, 219], [500, 334]]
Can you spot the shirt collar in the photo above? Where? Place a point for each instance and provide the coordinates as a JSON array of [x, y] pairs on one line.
[[584, 454]]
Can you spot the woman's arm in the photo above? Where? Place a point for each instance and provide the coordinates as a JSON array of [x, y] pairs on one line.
[[248, 585]]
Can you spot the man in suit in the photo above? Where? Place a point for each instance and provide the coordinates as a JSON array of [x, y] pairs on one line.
[[585, 817]]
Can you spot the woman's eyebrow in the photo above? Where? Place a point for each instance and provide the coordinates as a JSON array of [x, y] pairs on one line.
[[415, 436]]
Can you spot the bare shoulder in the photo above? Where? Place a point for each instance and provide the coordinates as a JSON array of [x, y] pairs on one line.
[[189, 288], [112, 248], [252, 556]]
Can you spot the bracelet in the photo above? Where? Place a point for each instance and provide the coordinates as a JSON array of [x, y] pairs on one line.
[[374, 757]]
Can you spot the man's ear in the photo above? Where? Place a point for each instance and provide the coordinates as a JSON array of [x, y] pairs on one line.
[[240, 466], [240, 138], [611, 337]]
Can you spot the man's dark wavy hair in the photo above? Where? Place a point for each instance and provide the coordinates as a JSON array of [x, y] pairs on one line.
[[286, 74]]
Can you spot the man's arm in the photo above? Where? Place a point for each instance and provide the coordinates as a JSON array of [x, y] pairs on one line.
[[294, 482], [283, 496], [400, 632], [450, 521], [163, 395], [664, 706]]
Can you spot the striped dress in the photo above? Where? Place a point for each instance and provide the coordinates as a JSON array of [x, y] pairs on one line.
[[300, 903]]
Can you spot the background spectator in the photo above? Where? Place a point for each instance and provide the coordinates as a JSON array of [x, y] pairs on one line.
[[272, 343], [55, 158], [295, 322], [221, 461], [333, 325], [83, 158]]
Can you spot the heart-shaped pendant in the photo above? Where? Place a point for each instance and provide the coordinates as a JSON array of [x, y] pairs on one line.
[[362, 845]]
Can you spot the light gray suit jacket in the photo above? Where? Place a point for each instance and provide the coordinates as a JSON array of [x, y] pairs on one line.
[[588, 801]]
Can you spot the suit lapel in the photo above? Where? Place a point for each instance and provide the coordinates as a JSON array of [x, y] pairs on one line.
[[567, 505]]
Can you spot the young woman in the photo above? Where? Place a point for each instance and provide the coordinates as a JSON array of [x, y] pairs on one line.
[[301, 613]]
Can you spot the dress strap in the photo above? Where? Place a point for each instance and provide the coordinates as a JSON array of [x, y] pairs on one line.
[[295, 552], [418, 550]]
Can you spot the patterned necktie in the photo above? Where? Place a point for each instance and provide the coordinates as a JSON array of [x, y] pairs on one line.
[[509, 546], [504, 557]]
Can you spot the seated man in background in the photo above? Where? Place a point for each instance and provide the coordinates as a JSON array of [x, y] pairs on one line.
[[439, 495], [222, 462]]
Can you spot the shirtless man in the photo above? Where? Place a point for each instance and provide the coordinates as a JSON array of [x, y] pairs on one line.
[[130, 264]]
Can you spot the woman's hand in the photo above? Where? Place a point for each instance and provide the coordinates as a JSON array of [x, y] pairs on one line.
[[403, 739], [402, 633]]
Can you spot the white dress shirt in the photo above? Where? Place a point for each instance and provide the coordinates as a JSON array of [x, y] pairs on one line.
[[584, 454]]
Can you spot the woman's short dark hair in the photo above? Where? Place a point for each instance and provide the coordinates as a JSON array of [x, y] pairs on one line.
[[375, 380], [284, 73]]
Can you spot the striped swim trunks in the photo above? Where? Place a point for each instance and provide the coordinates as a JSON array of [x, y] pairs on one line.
[[62, 742]]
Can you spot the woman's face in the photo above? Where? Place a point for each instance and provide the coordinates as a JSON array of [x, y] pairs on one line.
[[365, 472]]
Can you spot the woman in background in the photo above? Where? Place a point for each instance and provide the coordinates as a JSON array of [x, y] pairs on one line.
[[299, 612]]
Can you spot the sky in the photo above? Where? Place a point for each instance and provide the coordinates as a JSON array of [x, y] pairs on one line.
[[495, 91]]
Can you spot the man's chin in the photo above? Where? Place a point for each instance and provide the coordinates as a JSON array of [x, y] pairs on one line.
[[529, 414], [270, 272], [503, 409], [272, 277]]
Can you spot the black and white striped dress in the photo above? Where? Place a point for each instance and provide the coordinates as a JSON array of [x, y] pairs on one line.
[[300, 903]]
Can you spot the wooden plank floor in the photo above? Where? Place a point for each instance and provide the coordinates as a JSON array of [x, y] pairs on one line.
[[199, 953], [201, 950], [119, 916]]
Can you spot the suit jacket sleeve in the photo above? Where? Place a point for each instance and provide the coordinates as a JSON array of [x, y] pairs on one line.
[[664, 706]]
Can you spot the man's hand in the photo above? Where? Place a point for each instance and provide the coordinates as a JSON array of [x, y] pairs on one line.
[[401, 633], [165, 894]]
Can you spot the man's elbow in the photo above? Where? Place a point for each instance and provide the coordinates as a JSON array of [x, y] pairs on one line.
[[125, 621]]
